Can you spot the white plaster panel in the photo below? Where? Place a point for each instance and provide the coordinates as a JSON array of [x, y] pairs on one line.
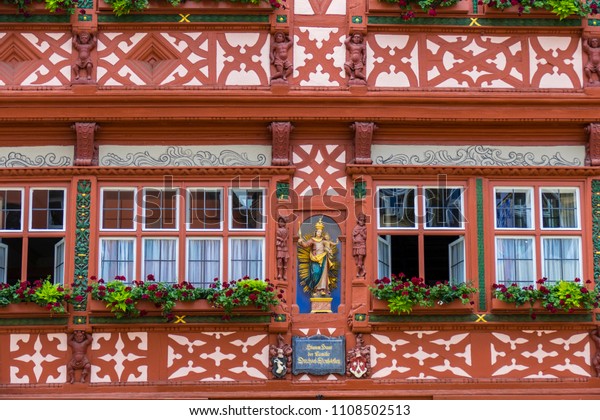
[[225, 155], [480, 155], [11, 157]]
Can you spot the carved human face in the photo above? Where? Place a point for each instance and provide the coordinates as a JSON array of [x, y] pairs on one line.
[[79, 336], [279, 37], [357, 38], [319, 233], [84, 37], [594, 42]]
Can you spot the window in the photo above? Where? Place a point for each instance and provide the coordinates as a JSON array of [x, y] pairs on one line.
[[431, 247], [47, 209], [559, 208], [527, 250], [443, 207], [160, 208], [32, 233], [118, 209], [11, 204], [246, 256], [160, 258], [246, 209], [198, 251], [204, 261], [513, 208], [204, 209], [117, 258]]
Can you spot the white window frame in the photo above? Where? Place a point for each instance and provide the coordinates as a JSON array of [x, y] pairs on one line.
[[577, 213], [579, 251], [415, 206], [188, 203], [230, 209], [59, 262], [135, 208], [533, 258], [157, 275], [387, 244], [423, 216], [530, 192], [30, 209], [230, 262], [118, 238], [177, 207], [459, 242], [189, 239], [4, 262], [22, 190]]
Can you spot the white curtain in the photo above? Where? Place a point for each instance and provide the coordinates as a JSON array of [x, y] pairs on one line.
[[514, 261], [160, 259], [204, 261], [116, 258], [246, 258], [561, 258]]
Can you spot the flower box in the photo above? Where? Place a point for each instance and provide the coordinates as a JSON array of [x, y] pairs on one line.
[[454, 307], [463, 7], [501, 307], [204, 307], [98, 307], [28, 310]]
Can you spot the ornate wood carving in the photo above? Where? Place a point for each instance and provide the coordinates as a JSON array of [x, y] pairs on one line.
[[86, 150], [281, 142], [363, 137], [593, 146]]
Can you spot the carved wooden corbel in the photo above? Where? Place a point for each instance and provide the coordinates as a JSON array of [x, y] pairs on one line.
[[363, 137], [593, 145], [86, 150], [280, 143]]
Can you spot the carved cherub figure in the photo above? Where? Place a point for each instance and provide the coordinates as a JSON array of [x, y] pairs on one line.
[[79, 341], [83, 43], [357, 58], [591, 46], [279, 56]]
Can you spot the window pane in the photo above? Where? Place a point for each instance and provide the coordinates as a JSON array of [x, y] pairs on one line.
[[246, 258], [397, 207], [116, 258], [47, 209], [514, 261], [561, 259], [246, 209], [204, 209], [559, 209], [384, 268], [457, 261], [204, 261], [160, 209], [443, 207], [117, 209], [513, 209], [10, 210], [160, 259]]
